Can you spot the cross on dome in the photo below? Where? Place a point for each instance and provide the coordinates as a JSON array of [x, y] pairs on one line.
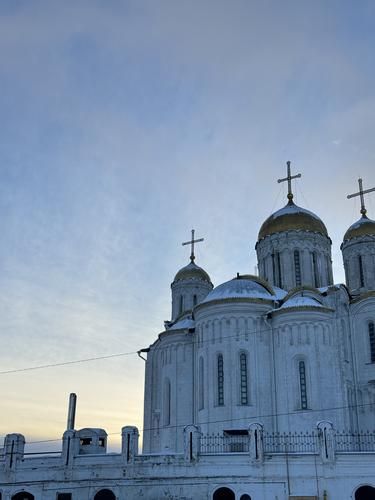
[[191, 242], [289, 178], [361, 193]]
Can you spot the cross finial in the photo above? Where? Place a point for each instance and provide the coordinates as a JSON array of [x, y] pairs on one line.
[[191, 242], [289, 178], [361, 194]]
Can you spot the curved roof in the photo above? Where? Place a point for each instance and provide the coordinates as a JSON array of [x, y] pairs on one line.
[[192, 271], [242, 287], [363, 227], [292, 218], [300, 301]]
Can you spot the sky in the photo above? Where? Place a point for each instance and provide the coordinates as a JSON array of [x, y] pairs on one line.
[[125, 124]]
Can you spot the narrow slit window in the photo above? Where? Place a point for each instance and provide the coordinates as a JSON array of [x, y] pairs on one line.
[[243, 379], [371, 334], [315, 270], [220, 380], [195, 300], [297, 267], [181, 307], [280, 282], [302, 385], [167, 402], [201, 384], [361, 275]]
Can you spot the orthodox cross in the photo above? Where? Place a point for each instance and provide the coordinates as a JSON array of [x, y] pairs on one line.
[[361, 193], [191, 242], [289, 178]]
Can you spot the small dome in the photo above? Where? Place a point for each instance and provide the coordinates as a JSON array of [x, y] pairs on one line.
[[192, 271], [242, 287], [363, 227], [292, 218]]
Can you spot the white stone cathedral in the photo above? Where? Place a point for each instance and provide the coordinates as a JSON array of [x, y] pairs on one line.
[[262, 388]]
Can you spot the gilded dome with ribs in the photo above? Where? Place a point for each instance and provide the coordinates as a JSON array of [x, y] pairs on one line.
[[292, 218]]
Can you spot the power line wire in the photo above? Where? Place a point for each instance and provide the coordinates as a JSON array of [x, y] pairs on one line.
[[63, 363], [115, 355]]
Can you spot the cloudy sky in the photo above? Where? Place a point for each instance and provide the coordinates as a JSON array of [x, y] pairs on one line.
[[125, 123]]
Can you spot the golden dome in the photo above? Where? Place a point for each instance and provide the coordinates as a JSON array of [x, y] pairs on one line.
[[192, 271], [363, 227], [292, 218]]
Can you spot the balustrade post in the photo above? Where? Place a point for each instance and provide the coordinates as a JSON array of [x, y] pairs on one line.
[[70, 447], [326, 441], [256, 448], [129, 445], [192, 443], [14, 447]]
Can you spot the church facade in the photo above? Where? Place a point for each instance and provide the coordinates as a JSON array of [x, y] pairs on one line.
[[262, 387]]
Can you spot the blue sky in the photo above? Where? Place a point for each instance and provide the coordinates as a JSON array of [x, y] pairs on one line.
[[127, 123]]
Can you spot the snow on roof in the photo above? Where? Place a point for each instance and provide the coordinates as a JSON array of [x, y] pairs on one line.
[[238, 288], [292, 209], [324, 289], [279, 293], [300, 301], [183, 324]]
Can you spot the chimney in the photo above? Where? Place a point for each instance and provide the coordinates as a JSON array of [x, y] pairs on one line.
[[71, 411]]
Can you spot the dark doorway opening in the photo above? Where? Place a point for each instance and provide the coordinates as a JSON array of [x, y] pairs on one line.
[[365, 493], [105, 495], [224, 494], [23, 495]]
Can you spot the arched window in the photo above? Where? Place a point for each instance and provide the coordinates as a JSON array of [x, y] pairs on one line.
[[315, 270], [371, 336], [167, 402], [297, 267], [220, 380], [23, 495], [302, 385], [105, 495], [361, 275], [201, 384], [243, 379], [365, 493], [276, 267], [223, 494], [245, 497]]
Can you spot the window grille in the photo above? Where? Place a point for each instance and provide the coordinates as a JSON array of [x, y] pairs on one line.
[[220, 380], [297, 267], [371, 334], [302, 384], [243, 378]]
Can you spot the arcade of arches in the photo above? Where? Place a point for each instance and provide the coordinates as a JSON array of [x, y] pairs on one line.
[[228, 494], [100, 495]]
